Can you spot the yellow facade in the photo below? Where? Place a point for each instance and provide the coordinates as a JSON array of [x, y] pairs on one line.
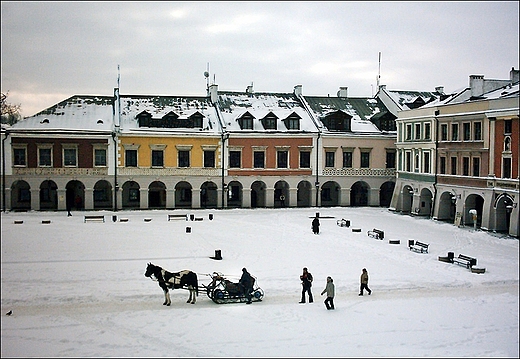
[[170, 145]]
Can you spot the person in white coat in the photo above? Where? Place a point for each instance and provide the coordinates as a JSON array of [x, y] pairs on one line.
[[329, 289]]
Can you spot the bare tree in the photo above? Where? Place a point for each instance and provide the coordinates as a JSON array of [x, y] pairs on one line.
[[10, 112]]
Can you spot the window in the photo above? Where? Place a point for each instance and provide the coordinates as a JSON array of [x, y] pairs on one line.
[[70, 157], [426, 162], [465, 166], [305, 159], [408, 161], [476, 166], [234, 159], [444, 132], [19, 157], [347, 159], [454, 131], [157, 158], [408, 132], [259, 159], [390, 159], [416, 163], [209, 159], [508, 127], [329, 159], [183, 158], [454, 165], [131, 158], [427, 131], [443, 165], [466, 129], [133, 195], [45, 157], [365, 159], [282, 159], [477, 129], [417, 131], [506, 167], [100, 157]]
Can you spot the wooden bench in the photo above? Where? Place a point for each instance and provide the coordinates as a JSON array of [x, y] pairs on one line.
[[418, 246], [178, 216], [94, 218], [376, 233], [465, 261]]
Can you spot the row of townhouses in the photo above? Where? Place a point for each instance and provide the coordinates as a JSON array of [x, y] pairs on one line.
[[450, 157]]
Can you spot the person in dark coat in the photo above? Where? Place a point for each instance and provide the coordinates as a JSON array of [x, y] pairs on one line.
[[246, 283], [316, 225], [306, 279], [364, 282], [329, 289]]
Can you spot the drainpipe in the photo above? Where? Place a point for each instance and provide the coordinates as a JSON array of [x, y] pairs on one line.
[[225, 136], [317, 183], [3, 170], [435, 151], [116, 186]]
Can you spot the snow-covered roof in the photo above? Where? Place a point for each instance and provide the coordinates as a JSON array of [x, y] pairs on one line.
[[160, 106], [233, 105], [77, 113], [408, 100]]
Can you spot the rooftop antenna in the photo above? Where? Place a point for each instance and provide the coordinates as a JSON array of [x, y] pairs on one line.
[[206, 75], [118, 75], [379, 71]]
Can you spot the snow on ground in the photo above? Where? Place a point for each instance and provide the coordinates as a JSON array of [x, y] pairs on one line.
[[78, 289]]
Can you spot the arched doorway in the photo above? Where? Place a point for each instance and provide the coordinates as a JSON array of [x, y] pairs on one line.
[[330, 192], [407, 199], [425, 203], [75, 195], [304, 194], [359, 194], [385, 193], [473, 201], [447, 207], [183, 192], [102, 195], [208, 195], [234, 199], [503, 209], [20, 196], [48, 195], [131, 195], [157, 195], [258, 194], [281, 194]]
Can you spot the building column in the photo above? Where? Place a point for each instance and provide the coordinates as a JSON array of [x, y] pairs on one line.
[[170, 198], [344, 197], [293, 197], [195, 198], [374, 197], [62, 199], [269, 197], [143, 198], [89, 198], [246, 198]]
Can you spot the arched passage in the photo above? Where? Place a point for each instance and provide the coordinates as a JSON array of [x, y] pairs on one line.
[[258, 194], [304, 194], [157, 195], [208, 195], [473, 201], [281, 194], [20, 196], [183, 192], [234, 199], [48, 195], [385, 193], [359, 194], [131, 195], [75, 195], [102, 195]]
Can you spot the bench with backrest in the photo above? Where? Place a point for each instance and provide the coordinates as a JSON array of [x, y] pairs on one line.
[[89, 218], [376, 233], [466, 261], [418, 246], [183, 217]]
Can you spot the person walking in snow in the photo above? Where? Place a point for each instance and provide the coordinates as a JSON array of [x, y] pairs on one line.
[[306, 279], [329, 289], [316, 225], [364, 282]]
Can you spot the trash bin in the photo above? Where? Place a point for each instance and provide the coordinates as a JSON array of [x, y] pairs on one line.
[[192, 217], [114, 218], [348, 223], [188, 229], [211, 216], [450, 256], [218, 254], [410, 242]]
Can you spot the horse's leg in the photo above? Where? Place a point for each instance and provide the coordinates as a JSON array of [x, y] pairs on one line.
[[192, 299], [167, 300]]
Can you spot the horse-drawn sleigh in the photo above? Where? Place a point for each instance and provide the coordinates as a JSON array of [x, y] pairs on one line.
[[220, 290]]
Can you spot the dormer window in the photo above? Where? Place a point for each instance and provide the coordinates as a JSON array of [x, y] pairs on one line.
[[169, 119], [337, 121], [246, 121], [269, 121], [144, 119], [292, 122], [196, 119]]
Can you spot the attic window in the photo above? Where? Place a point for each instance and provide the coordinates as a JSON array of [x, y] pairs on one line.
[[246, 121], [269, 121], [337, 121], [100, 122], [45, 120], [292, 122]]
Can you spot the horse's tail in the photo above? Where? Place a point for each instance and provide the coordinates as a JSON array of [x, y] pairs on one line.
[[196, 284]]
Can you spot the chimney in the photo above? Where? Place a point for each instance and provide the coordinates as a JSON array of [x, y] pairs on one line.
[[382, 87], [213, 93], [476, 84], [298, 90], [514, 75], [439, 90], [343, 92]]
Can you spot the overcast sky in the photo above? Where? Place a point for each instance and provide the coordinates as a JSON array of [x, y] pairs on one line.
[[53, 50]]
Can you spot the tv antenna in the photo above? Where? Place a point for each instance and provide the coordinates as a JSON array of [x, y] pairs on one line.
[[379, 71], [206, 75]]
